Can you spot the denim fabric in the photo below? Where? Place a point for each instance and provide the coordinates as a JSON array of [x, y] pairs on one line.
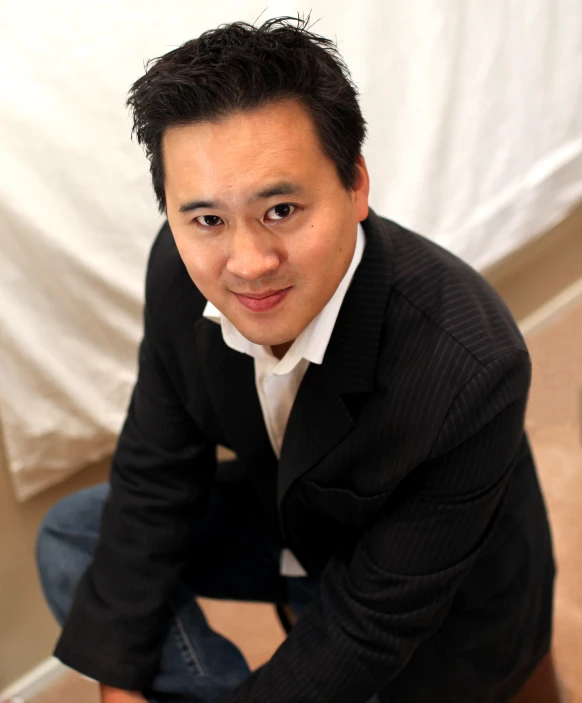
[[235, 560]]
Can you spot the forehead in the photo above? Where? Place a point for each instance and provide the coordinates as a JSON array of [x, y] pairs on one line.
[[278, 141]]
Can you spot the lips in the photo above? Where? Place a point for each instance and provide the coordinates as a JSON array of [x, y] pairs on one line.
[[262, 302], [260, 296]]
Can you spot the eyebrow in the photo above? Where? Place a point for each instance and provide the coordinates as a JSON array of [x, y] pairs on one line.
[[281, 188]]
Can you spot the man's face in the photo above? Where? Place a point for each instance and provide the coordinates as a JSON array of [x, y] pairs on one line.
[[260, 217]]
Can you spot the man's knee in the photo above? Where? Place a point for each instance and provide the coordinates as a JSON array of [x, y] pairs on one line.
[[66, 541]]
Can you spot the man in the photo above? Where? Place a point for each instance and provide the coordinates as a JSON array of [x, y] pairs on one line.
[[372, 386]]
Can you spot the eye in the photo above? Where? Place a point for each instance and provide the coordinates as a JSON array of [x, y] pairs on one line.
[[281, 212], [207, 221]]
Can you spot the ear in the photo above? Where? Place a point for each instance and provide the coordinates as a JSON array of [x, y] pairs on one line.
[[361, 190]]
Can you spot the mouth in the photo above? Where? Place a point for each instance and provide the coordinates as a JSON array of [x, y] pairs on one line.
[[262, 302]]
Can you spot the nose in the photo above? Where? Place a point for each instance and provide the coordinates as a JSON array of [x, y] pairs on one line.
[[252, 254]]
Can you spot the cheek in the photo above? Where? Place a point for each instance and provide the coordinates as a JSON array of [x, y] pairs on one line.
[[319, 251]]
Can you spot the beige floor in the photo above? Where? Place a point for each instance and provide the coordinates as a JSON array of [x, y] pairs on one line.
[[555, 425], [554, 422]]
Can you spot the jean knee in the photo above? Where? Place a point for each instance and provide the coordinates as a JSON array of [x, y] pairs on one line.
[[65, 545]]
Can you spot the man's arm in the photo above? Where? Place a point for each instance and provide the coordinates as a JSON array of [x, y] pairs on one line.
[[374, 610], [161, 472]]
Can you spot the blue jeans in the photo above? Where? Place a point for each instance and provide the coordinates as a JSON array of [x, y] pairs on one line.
[[236, 560]]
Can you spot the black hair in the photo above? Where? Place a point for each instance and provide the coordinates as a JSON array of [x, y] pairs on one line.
[[238, 67]]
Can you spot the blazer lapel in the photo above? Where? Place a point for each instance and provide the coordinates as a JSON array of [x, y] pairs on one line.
[[320, 418], [234, 396]]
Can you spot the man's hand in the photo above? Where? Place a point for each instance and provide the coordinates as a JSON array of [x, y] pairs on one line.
[[118, 695]]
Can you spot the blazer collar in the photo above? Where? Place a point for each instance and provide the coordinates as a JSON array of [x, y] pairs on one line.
[[350, 360]]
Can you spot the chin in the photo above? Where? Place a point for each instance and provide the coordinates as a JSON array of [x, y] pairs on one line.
[[272, 330], [265, 339]]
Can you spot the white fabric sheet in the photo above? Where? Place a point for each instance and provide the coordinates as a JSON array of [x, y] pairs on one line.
[[475, 139]]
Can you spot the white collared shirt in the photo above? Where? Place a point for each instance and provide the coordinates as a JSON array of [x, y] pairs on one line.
[[277, 381]]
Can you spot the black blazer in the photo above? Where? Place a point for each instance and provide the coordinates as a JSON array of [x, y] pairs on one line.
[[405, 485]]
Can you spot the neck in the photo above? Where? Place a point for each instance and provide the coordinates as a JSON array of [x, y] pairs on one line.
[[279, 350]]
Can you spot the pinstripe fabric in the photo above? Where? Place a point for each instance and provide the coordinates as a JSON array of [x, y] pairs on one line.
[[406, 486]]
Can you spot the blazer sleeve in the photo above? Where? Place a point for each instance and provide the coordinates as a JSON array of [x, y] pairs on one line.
[[162, 469], [374, 610]]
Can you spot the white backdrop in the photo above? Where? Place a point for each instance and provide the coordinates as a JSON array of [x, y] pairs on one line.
[[475, 139]]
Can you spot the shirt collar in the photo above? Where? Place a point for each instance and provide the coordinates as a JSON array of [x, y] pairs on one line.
[[312, 343]]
